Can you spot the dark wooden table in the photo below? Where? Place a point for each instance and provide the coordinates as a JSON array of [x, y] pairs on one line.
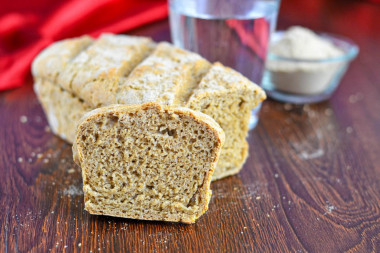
[[311, 183]]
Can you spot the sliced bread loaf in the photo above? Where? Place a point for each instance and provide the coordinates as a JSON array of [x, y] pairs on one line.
[[147, 161], [119, 69]]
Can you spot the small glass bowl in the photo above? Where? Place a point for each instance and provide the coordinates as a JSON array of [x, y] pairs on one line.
[[301, 81]]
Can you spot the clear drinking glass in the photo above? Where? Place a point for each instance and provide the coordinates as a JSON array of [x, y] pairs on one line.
[[234, 32]]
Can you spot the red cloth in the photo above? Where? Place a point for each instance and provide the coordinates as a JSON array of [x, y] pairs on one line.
[[26, 27]]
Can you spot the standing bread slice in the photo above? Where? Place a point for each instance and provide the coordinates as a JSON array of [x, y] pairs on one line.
[[228, 97], [147, 161]]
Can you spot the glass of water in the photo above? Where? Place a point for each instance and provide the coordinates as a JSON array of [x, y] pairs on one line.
[[233, 32]]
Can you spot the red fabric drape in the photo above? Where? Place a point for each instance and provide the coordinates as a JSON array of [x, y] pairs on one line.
[[26, 27]]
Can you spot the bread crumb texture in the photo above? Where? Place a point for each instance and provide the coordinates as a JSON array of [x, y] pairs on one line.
[[147, 161], [74, 76]]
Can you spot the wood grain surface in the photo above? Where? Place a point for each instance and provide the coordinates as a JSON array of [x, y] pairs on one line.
[[310, 184]]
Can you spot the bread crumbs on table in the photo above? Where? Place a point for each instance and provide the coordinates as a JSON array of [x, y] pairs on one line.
[[23, 119]]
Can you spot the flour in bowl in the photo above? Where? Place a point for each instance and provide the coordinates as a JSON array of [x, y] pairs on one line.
[[298, 65]]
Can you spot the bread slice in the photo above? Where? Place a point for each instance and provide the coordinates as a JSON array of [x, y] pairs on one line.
[[228, 97], [120, 69], [147, 161]]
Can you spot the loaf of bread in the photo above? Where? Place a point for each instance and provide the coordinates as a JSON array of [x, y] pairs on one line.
[[147, 161], [77, 75]]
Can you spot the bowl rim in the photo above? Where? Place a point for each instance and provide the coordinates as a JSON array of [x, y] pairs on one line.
[[349, 55]]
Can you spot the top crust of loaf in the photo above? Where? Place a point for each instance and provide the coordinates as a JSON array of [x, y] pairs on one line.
[[93, 70], [122, 69], [221, 80], [162, 75], [54, 59]]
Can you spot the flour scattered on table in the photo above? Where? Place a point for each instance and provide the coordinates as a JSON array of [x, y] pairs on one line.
[[328, 112], [307, 156], [355, 98], [23, 119], [38, 119], [241, 192], [125, 227], [329, 208], [288, 107], [73, 191]]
